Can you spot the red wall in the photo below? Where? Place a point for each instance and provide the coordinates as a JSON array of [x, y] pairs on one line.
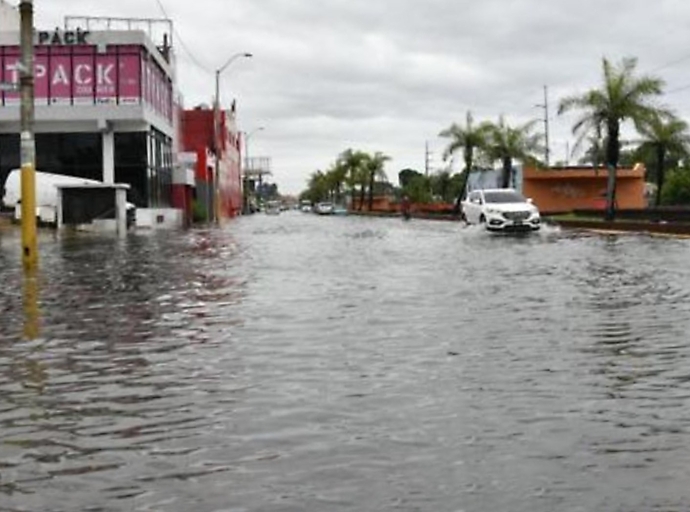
[[198, 135]]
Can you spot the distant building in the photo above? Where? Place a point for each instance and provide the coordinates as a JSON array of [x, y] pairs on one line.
[[558, 190], [564, 189], [198, 139]]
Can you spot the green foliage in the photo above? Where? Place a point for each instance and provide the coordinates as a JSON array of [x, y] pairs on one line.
[[676, 190], [407, 175], [199, 213], [418, 190], [469, 138], [506, 143], [354, 170], [622, 96]]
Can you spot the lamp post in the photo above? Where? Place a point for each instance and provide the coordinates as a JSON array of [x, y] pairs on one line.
[[247, 136], [216, 134]]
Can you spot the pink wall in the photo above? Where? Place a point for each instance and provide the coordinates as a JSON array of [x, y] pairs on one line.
[[80, 75]]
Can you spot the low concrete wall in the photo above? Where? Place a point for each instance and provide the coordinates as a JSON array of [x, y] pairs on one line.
[[670, 228], [159, 218]]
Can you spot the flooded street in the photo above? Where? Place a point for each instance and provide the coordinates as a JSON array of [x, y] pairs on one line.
[[303, 363]]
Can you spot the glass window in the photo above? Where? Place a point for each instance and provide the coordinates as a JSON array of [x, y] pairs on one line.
[[503, 196]]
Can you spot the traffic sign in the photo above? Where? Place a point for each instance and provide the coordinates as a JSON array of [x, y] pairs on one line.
[[9, 86]]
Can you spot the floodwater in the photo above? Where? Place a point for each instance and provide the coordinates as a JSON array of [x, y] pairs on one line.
[[303, 363]]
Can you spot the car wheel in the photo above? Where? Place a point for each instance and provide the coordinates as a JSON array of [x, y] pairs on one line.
[[482, 219]]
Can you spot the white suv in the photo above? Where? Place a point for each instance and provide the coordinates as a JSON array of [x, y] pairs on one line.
[[501, 209]]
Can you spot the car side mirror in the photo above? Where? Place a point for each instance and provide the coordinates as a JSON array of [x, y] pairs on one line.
[[530, 200]]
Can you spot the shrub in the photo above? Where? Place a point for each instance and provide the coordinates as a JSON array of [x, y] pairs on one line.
[[676, 190]]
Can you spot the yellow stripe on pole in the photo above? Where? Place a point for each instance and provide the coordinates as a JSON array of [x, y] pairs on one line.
[[29, 243]]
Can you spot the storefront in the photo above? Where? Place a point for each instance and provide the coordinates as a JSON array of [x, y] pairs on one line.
[[104, 109]]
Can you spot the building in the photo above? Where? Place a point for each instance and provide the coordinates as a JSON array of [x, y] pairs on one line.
[[105, 108], [564, 189], [558, 190], [255, 169], [199, 146]]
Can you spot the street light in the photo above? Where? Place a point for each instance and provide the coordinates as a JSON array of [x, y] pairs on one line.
[[247, 136], [216, 131]]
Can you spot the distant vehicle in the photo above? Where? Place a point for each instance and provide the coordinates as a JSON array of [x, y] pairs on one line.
[[501, 210], [305, 206], [324, 208], [339, 209], [46, 195], [272, 208]]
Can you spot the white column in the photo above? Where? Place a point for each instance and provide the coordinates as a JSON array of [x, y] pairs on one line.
[[109, 157], [58, 209], [121, 211]]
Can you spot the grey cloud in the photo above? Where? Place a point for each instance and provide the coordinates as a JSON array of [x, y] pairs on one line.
[[390, 74]]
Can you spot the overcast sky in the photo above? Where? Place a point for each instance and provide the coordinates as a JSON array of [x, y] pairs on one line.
[[388, 75]]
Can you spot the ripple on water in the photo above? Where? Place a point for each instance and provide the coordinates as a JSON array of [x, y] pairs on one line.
[[305, 363]]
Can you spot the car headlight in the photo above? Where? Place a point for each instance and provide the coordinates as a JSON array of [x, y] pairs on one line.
[[492, 211]]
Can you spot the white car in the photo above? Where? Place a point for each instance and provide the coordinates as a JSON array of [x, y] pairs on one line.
[[324, 208], [501, 209]]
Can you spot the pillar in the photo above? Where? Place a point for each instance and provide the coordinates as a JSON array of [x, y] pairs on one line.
[[121, 210], [108, 157]]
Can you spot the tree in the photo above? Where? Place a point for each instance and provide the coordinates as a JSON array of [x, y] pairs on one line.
[[406, 176], [469, 138], [441, 184], [622, 96], [663, 135], [677, 188], [374, 166], [353, 163], [317, 187], [505, 143], [418, 190]]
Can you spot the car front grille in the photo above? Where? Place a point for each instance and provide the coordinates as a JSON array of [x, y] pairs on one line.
[[516, 215]]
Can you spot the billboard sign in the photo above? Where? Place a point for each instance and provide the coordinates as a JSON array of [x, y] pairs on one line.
[[82, 75]]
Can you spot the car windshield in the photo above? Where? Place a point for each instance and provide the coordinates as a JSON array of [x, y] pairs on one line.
[[503, 196]]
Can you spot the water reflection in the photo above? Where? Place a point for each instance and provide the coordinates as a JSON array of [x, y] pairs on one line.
[[295, 362], [31, 310]]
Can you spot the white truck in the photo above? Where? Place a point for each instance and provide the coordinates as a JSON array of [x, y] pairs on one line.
[[46, 194]]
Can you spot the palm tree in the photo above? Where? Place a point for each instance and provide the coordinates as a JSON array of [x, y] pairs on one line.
[[623, 96], [337, 175], [468, 138], [505, 143], [374, 166], [664, 134], [317, 186], [353, 163]]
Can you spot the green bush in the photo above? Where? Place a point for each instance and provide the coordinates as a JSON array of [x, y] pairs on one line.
[[676, 189], [199, 213]]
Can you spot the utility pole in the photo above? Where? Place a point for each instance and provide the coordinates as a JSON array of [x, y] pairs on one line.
[[427, 159], [28, 146], [545, 106]]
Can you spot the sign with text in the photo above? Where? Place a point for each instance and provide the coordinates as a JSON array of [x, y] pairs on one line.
[[73, 75]]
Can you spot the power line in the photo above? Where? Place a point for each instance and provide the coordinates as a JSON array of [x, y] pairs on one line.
[[183, 45]]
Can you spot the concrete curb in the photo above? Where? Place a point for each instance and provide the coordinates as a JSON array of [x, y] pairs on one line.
[[657, 228]]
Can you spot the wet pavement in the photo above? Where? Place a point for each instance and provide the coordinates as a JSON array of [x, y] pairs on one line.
[[302, 363]]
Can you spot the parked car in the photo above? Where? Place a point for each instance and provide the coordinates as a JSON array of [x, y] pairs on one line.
[[324, 208], [501, 210]]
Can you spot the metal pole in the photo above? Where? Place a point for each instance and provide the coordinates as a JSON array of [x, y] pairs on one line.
[[28, 147], [216, 138], [546, 123]]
